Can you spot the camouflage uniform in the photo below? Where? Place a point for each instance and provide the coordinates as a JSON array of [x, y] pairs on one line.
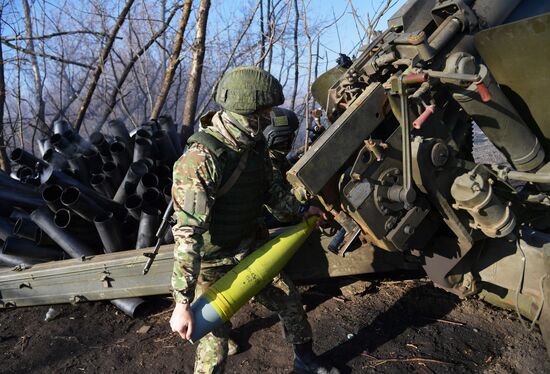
[[196, 182]]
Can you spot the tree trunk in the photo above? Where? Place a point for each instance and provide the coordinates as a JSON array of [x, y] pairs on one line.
[[234, 49], [4, 161], [40, 116], [174, 62], [101, 64], [296, 57], [262, 34], [194, 82]]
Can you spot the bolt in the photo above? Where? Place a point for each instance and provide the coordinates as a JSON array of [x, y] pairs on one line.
[[408, 229]]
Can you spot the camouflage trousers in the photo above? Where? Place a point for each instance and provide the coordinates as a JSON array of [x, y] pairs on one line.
[[281, 297]]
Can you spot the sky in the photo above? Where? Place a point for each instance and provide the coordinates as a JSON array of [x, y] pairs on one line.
[[344, 36]]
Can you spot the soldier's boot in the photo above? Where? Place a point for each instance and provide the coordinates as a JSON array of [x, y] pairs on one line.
[[307, 362]]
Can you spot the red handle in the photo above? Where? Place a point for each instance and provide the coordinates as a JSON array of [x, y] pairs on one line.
[[415, 78], [483, 92], [417, 124]]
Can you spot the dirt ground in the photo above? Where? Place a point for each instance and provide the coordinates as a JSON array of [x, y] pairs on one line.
[[360, 326]]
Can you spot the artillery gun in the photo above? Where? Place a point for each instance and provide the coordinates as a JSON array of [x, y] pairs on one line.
[[395, 167]]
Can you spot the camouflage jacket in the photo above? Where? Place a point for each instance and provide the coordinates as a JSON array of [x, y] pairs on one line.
[[198, 174]]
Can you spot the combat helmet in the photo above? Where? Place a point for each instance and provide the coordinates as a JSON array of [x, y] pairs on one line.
[[247, 89], [280, 133]]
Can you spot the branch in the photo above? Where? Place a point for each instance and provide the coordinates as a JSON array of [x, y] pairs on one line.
[[273, 40], [99, 68], [174, 62], [195, 73], [228, 62], [55, 34], [128, 68], [40, 54]]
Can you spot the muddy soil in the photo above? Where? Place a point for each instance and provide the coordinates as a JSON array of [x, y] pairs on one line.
[[360, 326]]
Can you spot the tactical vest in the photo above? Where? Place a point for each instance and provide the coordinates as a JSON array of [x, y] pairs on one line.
[[234, 215]]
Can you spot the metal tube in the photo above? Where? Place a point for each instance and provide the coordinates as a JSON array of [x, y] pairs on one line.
[[8, 183], [60, 126], [20, 199], [26, 248], [99, 141], [55, 159], [444, 33], [118, 129], [43, 145], [167, 192], [129, 306], [133, 205], [78, 166], [165, 147], [17, 213], [82, 145], [78, 227], [93, 161], [543, 178], [130, 229], [52, 196], [24, 173], [43, 239], [66, 240], [121, 156], [148, 180], [167, 124], [110, 232], [148, 225], [62, 145], [27, 229], [80, 203], [501, 122], [51, 176], [112, 173], [13, 260], [163, 172], [142, 149], [164, 182], [6, 228], [23, 157], [130, 181], [406, 139], [151, 198], [100, 184], [143, 133], [149, 163]]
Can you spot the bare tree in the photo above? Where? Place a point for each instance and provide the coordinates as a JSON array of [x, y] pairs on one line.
[[296, 57], [111, 102], [4, 161], [195, 74], [310, 56], [230, 59], [174, 61], [40, 117], [101, 64]]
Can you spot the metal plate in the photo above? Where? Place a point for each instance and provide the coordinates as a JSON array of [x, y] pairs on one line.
[[340, 141], [518, 56]]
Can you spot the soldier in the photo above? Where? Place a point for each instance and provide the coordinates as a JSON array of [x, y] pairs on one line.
[[220, 186], [279, 136]]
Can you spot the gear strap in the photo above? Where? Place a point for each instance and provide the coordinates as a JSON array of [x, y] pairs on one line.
[[218, 148], [234, 176]]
